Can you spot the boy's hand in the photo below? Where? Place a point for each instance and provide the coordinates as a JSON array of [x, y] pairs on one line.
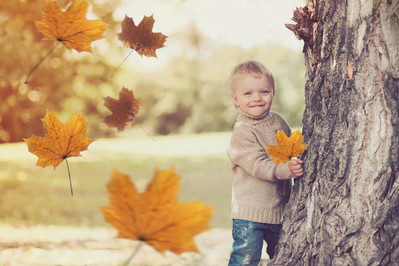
[[295, 167]]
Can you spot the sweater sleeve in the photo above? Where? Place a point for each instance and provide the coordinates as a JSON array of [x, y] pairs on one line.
[[246, 152]]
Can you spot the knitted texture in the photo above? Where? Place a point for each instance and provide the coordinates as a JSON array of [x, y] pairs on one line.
[[261, 188]]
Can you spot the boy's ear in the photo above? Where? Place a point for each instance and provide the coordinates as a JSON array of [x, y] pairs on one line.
[[234, 99]]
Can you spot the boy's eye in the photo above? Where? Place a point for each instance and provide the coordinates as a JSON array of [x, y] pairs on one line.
[[265, 92], [247, 93]]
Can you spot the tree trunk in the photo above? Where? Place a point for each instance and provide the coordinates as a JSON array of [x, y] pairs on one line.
[[345, 210]]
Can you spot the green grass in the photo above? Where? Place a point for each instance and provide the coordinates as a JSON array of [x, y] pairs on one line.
[[35, 195]]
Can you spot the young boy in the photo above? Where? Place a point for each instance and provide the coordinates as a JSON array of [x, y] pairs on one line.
[[260, 188]]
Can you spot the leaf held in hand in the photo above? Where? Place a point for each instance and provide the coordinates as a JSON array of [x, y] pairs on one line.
[[61, 141], [286, 147], [155, 216], [123, 110], [70, 27], [141, 38]]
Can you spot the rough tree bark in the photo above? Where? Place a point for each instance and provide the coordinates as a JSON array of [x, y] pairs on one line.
[[345, 210]]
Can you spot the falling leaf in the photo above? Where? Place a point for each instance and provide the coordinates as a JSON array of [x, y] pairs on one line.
[[286, 147], [61, 141], [123, 110], [141, 38], [155, 216], [70, 27]]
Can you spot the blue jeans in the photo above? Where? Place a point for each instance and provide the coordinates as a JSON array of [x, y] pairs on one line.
[[248, 241]]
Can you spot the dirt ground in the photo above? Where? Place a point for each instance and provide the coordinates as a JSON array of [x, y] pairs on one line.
[[56, 245]]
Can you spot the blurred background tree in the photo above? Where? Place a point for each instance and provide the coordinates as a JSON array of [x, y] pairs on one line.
[[189, 94]]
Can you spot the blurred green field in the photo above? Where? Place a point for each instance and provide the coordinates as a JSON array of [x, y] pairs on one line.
[[31, 195]]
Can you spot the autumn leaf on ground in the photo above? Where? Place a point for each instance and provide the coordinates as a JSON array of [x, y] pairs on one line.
[[61, 141], [286, 147], [141, 38], [155, 216], [123, 110], [70, 27]]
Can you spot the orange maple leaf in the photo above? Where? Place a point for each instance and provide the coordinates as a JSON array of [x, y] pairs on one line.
[[155, 216], [123, 110], [70, 27], [61, 141], [286, 147], [141, 38]]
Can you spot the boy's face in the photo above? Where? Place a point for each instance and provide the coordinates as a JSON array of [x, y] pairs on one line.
[[253, 95]]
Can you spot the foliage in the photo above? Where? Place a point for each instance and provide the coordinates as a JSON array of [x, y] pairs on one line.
[[123, 110], [155, 216], [287, 147], [61, 141]]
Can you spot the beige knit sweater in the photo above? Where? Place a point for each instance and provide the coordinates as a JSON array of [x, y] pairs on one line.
[[260, 188]]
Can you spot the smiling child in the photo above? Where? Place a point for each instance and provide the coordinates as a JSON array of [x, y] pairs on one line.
[[261, 188]]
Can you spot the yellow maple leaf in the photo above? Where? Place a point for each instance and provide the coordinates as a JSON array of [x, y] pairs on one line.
[[155, 216], [61, 141], [286, 147], [70, 27]]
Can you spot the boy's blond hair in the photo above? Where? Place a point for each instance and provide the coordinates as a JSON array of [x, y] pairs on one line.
[[254, 68]]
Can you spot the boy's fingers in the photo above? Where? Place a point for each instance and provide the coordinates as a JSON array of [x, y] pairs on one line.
[[297, 166], [299, 171], [298, 175]]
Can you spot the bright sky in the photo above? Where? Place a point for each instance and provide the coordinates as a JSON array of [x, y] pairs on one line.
[[243, 23]]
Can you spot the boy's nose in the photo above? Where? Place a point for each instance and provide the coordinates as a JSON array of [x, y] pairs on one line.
[[257, 97]]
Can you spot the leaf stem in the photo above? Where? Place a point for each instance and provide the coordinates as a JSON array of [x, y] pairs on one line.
[[69, 175], [38, 64], [139, 245], [148, 134], [122, 62]]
